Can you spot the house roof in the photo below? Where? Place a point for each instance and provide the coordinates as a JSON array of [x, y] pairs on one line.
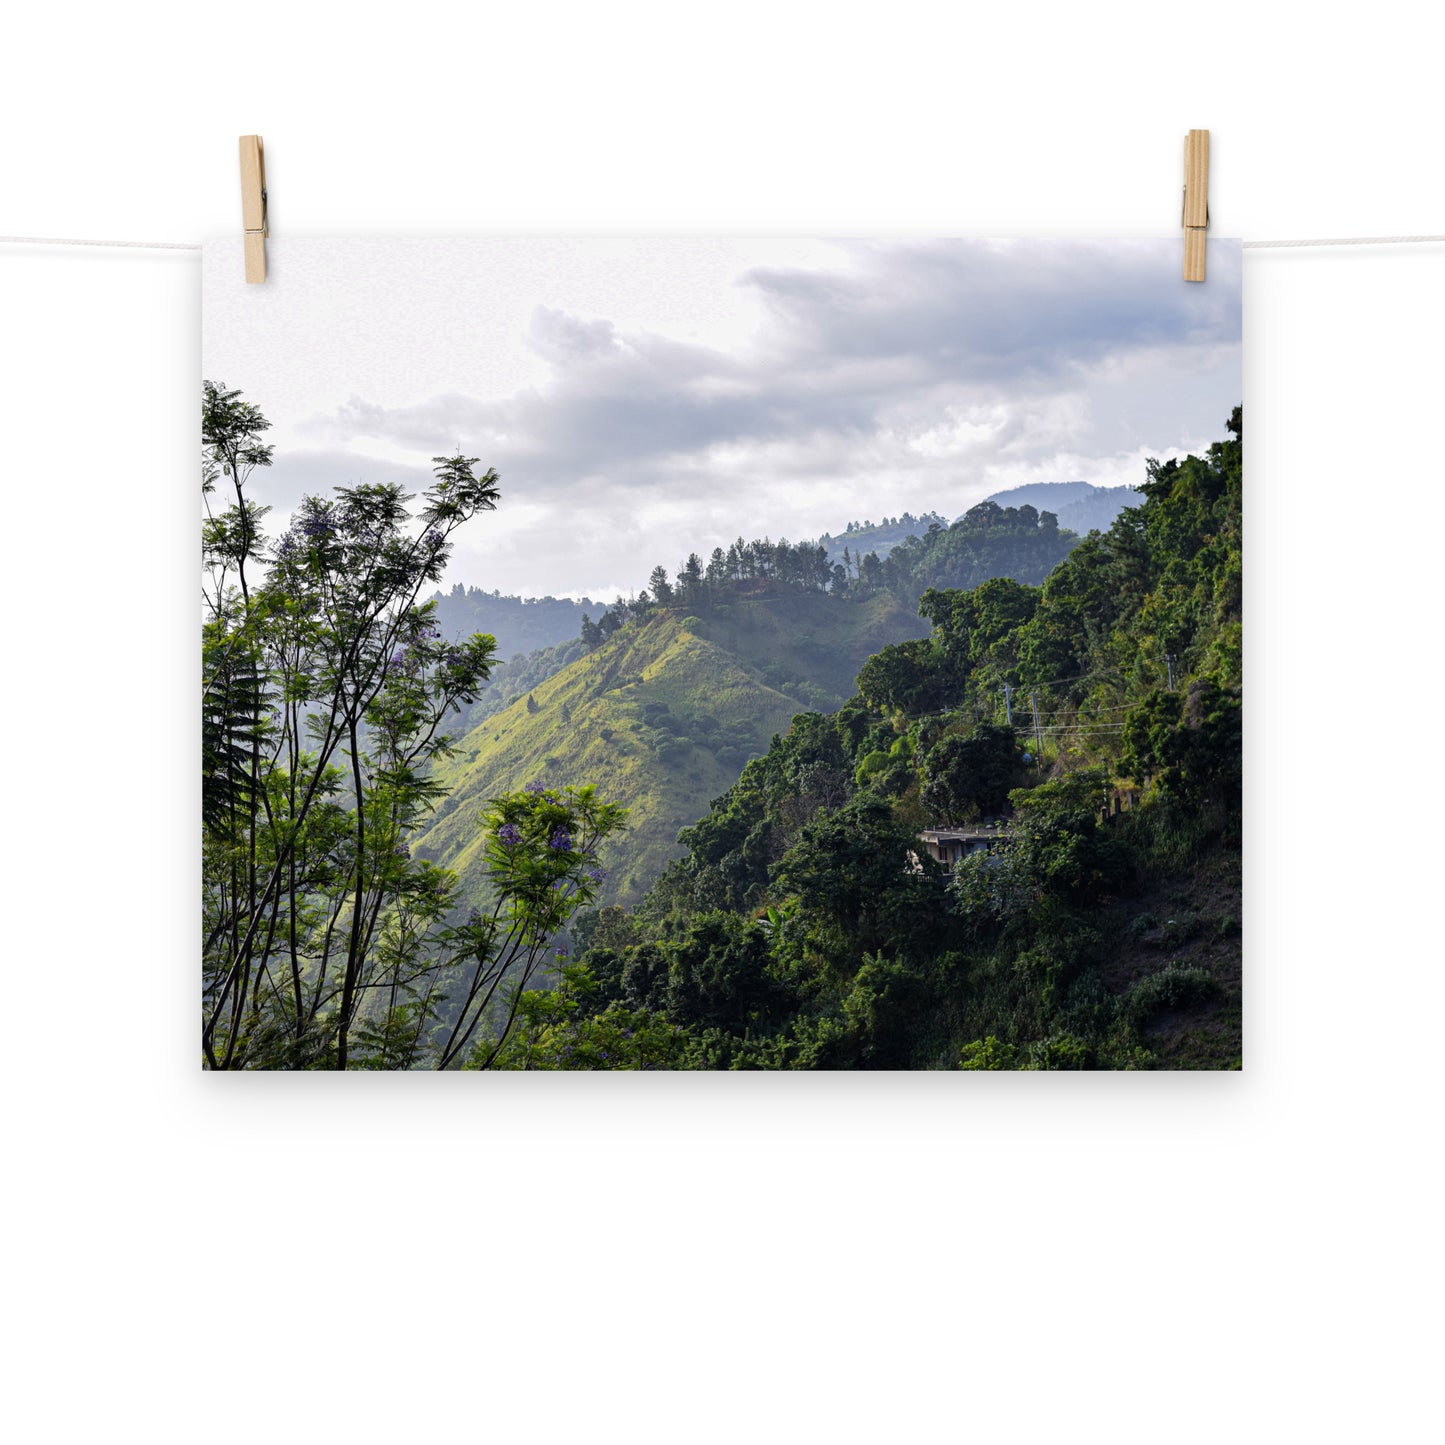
[[964, 835]]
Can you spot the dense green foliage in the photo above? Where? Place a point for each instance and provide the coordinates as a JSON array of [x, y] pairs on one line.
[[807, 926]]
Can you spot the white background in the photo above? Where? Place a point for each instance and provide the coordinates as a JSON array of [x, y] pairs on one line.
[[1120, 1258]]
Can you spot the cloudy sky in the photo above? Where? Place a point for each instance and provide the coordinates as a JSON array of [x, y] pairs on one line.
[[644, 399]]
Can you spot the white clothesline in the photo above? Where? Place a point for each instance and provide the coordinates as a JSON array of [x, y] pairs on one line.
[[1248, 245], [67, 241], [1346, 241]]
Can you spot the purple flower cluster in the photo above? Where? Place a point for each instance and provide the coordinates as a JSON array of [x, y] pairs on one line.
[[509, 835], [536, 787], [594, 873], [315, 529], [560, 841]]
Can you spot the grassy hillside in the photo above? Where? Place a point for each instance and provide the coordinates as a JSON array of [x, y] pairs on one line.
[[662, 718], [808, 644]]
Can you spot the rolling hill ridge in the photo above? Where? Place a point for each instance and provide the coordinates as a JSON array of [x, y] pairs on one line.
[[662, 717]]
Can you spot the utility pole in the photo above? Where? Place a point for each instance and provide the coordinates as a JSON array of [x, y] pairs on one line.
[[1169, 663], [1038, 731], [1008, 706]]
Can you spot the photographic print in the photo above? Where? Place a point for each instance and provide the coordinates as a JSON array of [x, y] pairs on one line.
[[721, 654]]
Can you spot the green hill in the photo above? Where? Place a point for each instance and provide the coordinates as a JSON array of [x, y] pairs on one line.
[[662, 718], [919, 880]]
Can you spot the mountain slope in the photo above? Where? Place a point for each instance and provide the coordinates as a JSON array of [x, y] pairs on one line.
[[1098, 928], [662, 717]]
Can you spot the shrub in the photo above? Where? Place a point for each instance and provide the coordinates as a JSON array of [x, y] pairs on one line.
[[1060, 1051], [989, 1054], [874, 762], [884, 1008], [1173, 987]]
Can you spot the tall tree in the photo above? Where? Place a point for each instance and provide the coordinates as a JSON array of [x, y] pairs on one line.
[[660, 587], [325, 687]]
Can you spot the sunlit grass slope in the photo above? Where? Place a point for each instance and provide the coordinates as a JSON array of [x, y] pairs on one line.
[[662, 718]]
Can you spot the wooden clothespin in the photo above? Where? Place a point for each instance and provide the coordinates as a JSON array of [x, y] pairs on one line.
[[253, 205], [1196, 202]]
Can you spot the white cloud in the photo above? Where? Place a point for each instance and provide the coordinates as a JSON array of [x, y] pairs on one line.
[[899, 376]]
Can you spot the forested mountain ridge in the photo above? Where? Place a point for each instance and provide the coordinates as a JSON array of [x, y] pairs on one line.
[[527, 626], [519, 624], [988, 541], [807, 925], [1079, 506], [860, 538], [661, 716]]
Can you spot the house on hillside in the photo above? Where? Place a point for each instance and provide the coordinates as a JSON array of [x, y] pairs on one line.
[[952, 845]]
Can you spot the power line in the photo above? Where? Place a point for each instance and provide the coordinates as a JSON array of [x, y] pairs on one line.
[[1075, 712]]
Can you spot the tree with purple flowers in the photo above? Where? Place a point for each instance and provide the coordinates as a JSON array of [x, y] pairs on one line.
[[326, 685], [541, 854]]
